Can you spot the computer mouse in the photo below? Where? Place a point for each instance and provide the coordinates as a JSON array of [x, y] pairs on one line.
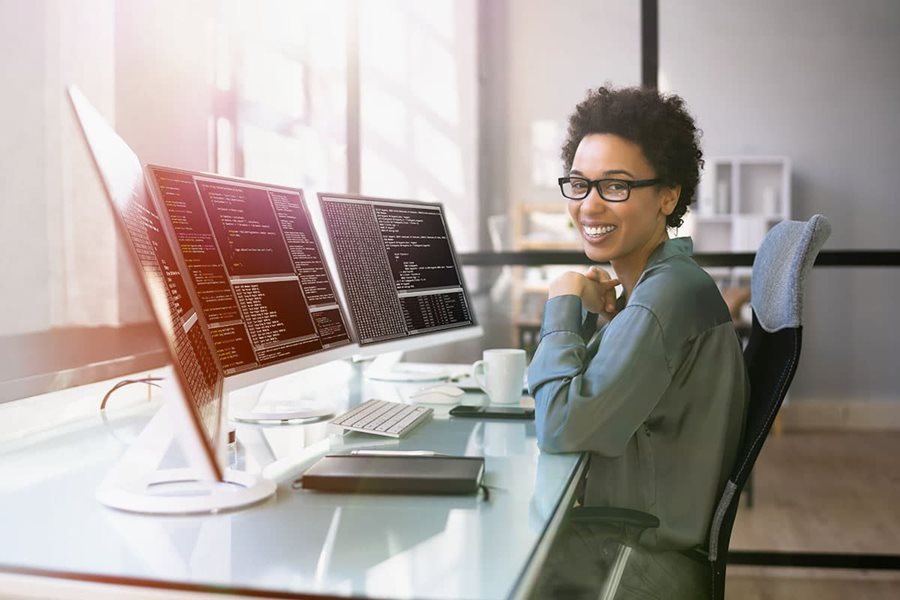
[[438, 394], [447, 390]]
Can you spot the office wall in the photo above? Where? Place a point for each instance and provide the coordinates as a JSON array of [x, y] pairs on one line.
[[818, 82]]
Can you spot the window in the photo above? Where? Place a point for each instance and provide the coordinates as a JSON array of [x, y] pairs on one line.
[[281, 90]]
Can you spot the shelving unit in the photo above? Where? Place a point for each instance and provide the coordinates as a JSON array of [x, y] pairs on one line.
[[740, 199]]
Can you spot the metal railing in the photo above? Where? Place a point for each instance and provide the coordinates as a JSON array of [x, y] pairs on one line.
[[536, 258]]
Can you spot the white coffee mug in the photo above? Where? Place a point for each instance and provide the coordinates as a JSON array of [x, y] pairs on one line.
[[500, 374]]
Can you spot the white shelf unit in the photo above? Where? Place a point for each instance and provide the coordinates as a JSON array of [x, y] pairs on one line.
[[739, 200]]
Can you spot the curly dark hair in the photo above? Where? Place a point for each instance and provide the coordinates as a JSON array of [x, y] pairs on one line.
[[659, 123]]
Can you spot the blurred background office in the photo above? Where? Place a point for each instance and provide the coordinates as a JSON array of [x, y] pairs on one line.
[[465, 102]]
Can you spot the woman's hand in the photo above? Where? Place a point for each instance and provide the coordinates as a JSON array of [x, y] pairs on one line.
[[602, 277], [596, 288]]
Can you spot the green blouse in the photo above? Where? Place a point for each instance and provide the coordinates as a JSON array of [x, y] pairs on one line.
[[657, 395]]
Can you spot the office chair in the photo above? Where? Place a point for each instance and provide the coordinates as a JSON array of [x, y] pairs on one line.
[[780, 269]]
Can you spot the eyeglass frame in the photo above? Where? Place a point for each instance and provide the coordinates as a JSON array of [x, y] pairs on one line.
[[595, 183]]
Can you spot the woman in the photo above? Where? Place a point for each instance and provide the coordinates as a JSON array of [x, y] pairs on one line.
[[657, 394]]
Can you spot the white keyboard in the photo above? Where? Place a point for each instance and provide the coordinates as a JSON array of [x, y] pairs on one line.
[[383, 418]]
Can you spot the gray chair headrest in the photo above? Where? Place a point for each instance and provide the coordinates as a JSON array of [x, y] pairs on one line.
[[780, 269]]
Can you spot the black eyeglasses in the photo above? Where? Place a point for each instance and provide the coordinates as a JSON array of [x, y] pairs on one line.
[[611, 190]]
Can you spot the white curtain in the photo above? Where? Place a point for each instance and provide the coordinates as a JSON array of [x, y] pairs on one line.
[[56, 233]]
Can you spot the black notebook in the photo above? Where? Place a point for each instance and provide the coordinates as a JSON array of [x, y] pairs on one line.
[[395, 474]]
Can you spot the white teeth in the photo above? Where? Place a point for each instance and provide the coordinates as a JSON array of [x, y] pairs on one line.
[[602, 230]]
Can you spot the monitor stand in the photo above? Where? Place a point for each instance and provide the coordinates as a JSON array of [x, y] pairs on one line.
[[281, 402], [138, 484], [273, 413], [387, 367]]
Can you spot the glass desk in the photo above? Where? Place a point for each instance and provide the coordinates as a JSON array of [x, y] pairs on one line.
[[300, 543]]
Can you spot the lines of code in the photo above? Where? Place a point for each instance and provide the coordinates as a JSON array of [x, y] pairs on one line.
[[254, 259], [428, 312], [397, 266], [365, 270]]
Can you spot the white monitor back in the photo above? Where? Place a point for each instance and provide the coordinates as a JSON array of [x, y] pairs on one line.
[[192, 414], [197, 413]]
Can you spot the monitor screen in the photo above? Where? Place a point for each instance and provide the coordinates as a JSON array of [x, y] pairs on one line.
[[397, 265], [195, 366], [253, 257]]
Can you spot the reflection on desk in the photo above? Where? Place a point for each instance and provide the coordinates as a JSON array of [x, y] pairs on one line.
[[299, 542]]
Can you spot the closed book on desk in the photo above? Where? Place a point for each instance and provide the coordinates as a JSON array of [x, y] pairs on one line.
[[395, 474]]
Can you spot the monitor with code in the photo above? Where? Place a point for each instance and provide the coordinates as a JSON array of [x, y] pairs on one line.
[[397, 265], [254, 259]]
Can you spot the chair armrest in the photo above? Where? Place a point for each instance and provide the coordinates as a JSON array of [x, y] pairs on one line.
[[698, 554], [623, 517]]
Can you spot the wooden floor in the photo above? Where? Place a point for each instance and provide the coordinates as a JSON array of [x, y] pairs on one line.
[[821, 492], [750, 583]]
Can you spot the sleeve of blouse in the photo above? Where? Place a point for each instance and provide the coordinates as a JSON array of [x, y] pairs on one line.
[[596, 405]]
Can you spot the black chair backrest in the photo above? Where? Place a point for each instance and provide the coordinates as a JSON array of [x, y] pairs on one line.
[[779, 274], [771, 360]]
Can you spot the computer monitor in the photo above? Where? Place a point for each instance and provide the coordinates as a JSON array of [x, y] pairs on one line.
[[193, 410], [400, 277], [254, 258]]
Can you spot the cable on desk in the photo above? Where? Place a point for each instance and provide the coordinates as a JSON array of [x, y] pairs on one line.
[[485, 491], [148, 380]]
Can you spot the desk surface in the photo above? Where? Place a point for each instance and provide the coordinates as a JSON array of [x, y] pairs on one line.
[[299, 542]]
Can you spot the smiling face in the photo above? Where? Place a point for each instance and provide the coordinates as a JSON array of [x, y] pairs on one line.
[[624, 233]]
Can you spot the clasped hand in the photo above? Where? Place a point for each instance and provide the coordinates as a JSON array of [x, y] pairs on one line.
[[596, 287]]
